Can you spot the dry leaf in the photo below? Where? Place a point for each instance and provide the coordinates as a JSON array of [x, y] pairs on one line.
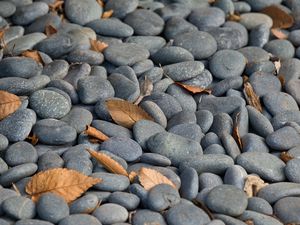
[[150, 178], [253, 184], [2, 33], [50, 29], [282, 80], [16, 189], [93, 132], [251, 96], [234, 17], [97, 45], [278, 33], [110, 164], [100, 2], [281, 19], [285, 157], [194, 89], [56, 6], [125, 113], [107, 14], [132, 175], [9, 103], [34, 54], [146, 89], [33, 139], [67, 183], [249, 222], [236, 133], [277, 65]]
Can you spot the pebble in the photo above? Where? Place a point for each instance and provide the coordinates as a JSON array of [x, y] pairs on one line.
[[41, 22], [173, 9], [127, 200], [19, 208], [49, 160], [252, 20], [259, 36], [209, 139], [144, 216], [280, 48], [177, 25], [111, 129], [79, 219], [189, 183], [57, 69], [3, 166], [231, 147], [230, 83], [33, 222], [155, 112], [203, 80], [286, 209], [111, 182], [292, 88], [290, 170], [228, 219], [235, 175], [259, 205], [111, 213], [259, 218], [222, 124], [254, 143], [204, 119], [7, 9], [84, 204], [155, 159], [121, 8], [85, 56], [214, 149], [279, 120], [151, 43], [209, 181]]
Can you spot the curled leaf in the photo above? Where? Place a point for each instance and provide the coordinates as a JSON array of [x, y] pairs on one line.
[[236, 132], [281, 19], [194, 89], [66, 183], [150, 178], [249, 222], [110, 164], [285, 157], [93, 132], [56, 6], [125, 113], [33, 139], [100, 2], [107, 14], [253, 184], [234, 17], [34, 54], [50, 29], [132, 175], [278, 33], [146, 88], [251, 96], [9, 103], [97, 45], [282, 80]]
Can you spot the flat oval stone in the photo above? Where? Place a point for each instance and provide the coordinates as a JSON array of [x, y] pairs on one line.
[[122, 54], [111, 129], [85, 204], [286, 209], [280, 48], [177, 25], [252, 20], [7, 9], [189, 183], [204, 119], [259, 205], [291, 169], [258, 5], [254, 143], [16, 173], [128, 200], [85, 56], [289, 69], [33, 222], [259, 218], [229, 219], [20, 153], [222, 124], [279, 120], [209, 181], [152, 43], [111, 213], [173, 146], [235, 175], [111, 182], [144, 216], [40, 23], [121, 8], [292, 88], [155, 112], [203, 80], [254, 54], [155, 159], [19, 207], [79, 219], [57, 69], [227, 199], [49, 160], [82, 12], [266, 165]]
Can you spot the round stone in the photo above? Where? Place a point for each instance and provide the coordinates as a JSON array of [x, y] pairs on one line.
[[19, 208], [128, 200], [144, 216], [286, 209], [111, 213], [79, 219], [20, 153], [85, 204]]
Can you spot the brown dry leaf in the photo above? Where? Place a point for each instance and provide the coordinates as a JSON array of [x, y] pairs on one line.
[[277, 65], [100, 2], [281, 19], [251, 96], [110, 164], [33, 139], [236, 133], [9, 103], [150, 178], [285, 157], [125, 113], [56, 6], [132, 175], [16, 189], [253, 184], [146, 89], [249, 222], [93, 132], [97, 45], [2, 33], [34, 54], [282, 80], [50, 29], [194, 89], [234, 17], [278, 33], [66, 183], [107, 14]]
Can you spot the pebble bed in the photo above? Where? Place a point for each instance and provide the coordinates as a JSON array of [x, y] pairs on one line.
[[191, 138]]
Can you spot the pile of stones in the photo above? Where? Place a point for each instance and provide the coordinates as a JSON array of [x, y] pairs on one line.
[[191, 140]]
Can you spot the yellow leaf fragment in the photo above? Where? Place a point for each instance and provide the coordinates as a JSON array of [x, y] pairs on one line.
[[234, 17], [253, 184], [34, 54], [66, 183], [249, 222], [93, 132], [251, 96], [107, 14], [194, 89], [110, 164], [150, 178], [50, 29], [97, 45], [126, 113], [9, 103]]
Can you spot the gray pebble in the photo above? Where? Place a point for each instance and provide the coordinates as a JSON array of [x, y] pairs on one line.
[[33, 222], [121, 8], [259, 205], [49, 160], [111, 213], [111, 129], [155, 159], [203, 79], [190, 131], [209, 139], [229, 83], [152, 43], [231, 147], [173, 9], [111, 182], [20, 153], [214, 149], [252, 20], [254, 143], [235, 175], [259, 218], [127, 200], [254, 54], [84, 204], [177, 25], [259, 35], [280, 48], [58, 69], [85, 56], [144, 216], [286, 209], [279, 120], [291, 169], [204, 119], [209, 181], [19, 208], [7, 9], [222, 124], [79, 219], [84, 166], [3, 142], [3, 166], [189, 183]]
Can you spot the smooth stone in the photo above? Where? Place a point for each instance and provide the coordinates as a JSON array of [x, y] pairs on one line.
[[16, 173], [17, 126], [254, 54], [177, 25], [125, 54], [75, 152], [203, 79], [12, 33], [121, 8], [254, 143], [152, 43], [259, 205], [212, 163], [19, 208], [291, 169], [111, 182], [209, 181], [290, 69], [264, 66], [280, 48], [286, 209], [111, 129], [204, 119], [230, 83], [266, 165], [84, 204], [210, 138], [57, 69], [84, 166], [186, 214], [259, 36], [189, 183], [127, 200], [252, 20], [190, 131], [3, 166], [79, 219], [54, 132], [292, 88], [214, 149], [139, 191], [173, 146], [7, 9], [50, 160], [20, 153], [280, 119], [145, 22], [162, 85], [33, 222], [231, 147], [183, 117], [111, 213], [155, 112], [144, 216], [201, 44], [259, 218], [258, 5], [120, 160], [87, 56], [226, 5], [229, 219], [6, 194], [82, 12], [143, 66], [40, 23], [222, 124], [173, 9], [235, 175], [155, 159]]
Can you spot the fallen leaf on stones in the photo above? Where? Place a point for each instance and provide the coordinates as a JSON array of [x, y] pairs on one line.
[[278, 33], [150, 178], [93, 132], [282, 80], [33, 139], [66, 183], [9, 103], [56, 6], [50, 29], [16, 189], [34, 54], [107, 14], [253, 184], [285, 157], [281, 19], [277, 66], [125, 113], [97, 45], [194, 89], [236, 133], [132, 175], [251, 96], [234, 17], [110, 164], [146, 89], [100, 2], [249, 222]]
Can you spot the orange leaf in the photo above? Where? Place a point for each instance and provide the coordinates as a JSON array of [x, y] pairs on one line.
[[66, 183], [57, 5], [253, 184], [97, 45], [278, 33], [132, 175], [107, 14], [93, 132], [50, 29], [236, 132], [150, 178], [110, 164], [251, 96], [125, 113], [194, 89], [33, 139], [100, 2], [285, 157], [9, 103], [34, 54], [281, 19], [249, 222], [2, 33]]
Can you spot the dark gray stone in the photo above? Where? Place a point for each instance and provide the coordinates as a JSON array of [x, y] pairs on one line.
[[79, 219], [19, 208], [259, 218], [259, 205], [286, 209], [127, 200], [111, 129], [291, 169], [111, 213], [209, 181], [20, 153], [111, 182], [189, 183], [144, 216], [235, 175], [84, 204], [121, 8], [254, 143]]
